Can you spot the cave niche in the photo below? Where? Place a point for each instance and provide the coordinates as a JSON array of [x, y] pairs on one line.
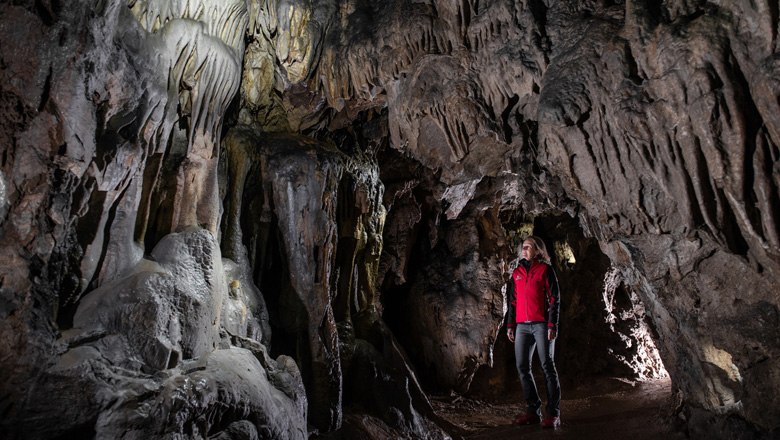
[[600, 336]]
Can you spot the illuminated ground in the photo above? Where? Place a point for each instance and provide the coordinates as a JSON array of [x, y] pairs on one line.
[[601, 409]]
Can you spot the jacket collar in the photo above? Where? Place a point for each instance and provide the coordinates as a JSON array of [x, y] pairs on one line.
[[527, 265]]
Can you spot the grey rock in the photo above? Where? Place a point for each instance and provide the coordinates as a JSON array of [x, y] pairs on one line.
[[385, 393], [144, 350], [300, 180], [169, 309], [139, 310], [455, 302], [244, 312], [195, 262], [241, 430]]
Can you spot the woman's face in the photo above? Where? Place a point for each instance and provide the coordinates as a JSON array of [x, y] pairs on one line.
[[528, 250]]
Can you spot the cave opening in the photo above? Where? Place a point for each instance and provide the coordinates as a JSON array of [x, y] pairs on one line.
[[270, 276], [396, 291], [604, 333]]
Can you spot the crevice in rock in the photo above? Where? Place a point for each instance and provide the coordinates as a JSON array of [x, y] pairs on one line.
[[751, 118], [84, 430], [505, 115], [48, 11], [46, 91]]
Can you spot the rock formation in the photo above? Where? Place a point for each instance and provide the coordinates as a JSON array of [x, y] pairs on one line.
[[270, 219]]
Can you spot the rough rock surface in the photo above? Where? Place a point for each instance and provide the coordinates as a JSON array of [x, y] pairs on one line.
[[409, 135], [307, 219], [684, 117], [148, 350], [454, 307]]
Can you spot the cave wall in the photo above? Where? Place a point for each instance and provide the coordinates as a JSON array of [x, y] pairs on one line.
[[679, 106], [449, 313], [604, 331], [403, 130], [114, 287]]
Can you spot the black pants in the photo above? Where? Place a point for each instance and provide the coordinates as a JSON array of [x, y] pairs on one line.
[[527, 338]]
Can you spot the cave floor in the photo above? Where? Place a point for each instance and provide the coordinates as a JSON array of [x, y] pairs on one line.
[[598, 409]]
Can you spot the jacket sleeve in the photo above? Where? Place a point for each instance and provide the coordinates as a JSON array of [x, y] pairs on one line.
[[554, 298], [511, 300]]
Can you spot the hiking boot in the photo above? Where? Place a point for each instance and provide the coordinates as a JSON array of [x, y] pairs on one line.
[[551, 422], [526, 419]]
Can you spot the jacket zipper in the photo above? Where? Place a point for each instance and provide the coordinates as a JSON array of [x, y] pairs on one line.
[[525, 297]]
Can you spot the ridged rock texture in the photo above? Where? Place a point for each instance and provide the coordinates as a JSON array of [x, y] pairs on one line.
[[284, 218]]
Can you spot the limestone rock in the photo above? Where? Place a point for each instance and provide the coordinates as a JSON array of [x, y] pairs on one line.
[[672, 112], [305, 207], [167, 309], [384, 393], [300, 181], [454, 306], [244, 312], [145, 349], [654, 124]]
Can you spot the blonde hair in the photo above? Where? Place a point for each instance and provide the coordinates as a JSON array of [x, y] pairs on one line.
[[541, 249]]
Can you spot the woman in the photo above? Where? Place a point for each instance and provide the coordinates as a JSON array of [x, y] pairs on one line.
[[532, 324]]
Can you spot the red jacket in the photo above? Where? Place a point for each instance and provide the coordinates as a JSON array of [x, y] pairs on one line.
[[533, 295]]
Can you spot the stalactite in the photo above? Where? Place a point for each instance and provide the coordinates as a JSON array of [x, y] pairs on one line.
[[225, 20]]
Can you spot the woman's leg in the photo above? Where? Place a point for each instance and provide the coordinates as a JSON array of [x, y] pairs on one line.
[[524, 349], [545, 350]]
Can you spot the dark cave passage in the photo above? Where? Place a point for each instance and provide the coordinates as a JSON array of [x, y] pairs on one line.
[[611, 376], [604, 332]]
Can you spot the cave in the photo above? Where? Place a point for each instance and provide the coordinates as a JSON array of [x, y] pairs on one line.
[[288, 219]]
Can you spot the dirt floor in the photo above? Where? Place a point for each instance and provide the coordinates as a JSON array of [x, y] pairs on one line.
[[600, 409]]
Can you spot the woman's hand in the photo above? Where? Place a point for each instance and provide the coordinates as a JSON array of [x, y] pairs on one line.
[[510, 333], [551, 334]]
